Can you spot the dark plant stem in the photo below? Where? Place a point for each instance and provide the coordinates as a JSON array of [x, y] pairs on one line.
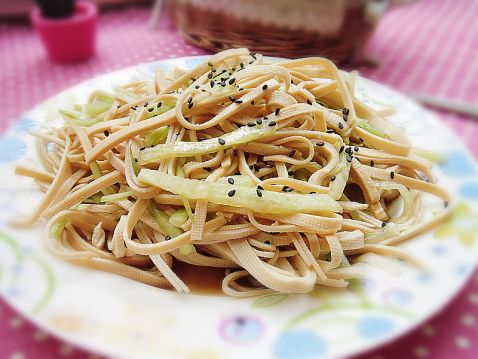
[[56, 9]]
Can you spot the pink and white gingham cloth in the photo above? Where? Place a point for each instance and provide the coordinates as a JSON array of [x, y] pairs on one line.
[[430, 46]]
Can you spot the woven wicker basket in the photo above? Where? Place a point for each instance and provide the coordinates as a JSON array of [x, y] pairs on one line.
[[214, 29]]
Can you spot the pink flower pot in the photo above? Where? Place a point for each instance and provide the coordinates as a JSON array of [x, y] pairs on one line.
[[69, 39]]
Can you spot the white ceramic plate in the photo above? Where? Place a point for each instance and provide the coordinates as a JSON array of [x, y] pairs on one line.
[[115, 316]]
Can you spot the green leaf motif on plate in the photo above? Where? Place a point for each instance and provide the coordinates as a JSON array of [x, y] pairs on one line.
[[20, 260], [269, 300], [462, 224]]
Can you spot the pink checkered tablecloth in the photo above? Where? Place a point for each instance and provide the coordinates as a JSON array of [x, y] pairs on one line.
[[430, 47]]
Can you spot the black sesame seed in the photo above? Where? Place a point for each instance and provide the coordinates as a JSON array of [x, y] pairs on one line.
[[223, 84], [259, 121], [264, 87], [345, 117], [260, 187], [142, 148], [320, 143], [190, 99], [277, 111], [190, 105], [341, 149], [209, 75], [145, 104], [213, 69], [392, 175], [348, 150], [231, 193], [251, 62], [106, 133], [221, 141], [292, 153], [241, 88], [230, 180], [251, 124], [291, 173], [186, 118], [159, 104], [372, 164], [267, 242], [231, 81], [167, 238], [259, 193], [345, 111], [242, 65], [151, 109], [252, 102], [330, 131], [266, 118], [360, 139], [309, 102], [251, 167], [312, 192], [332, 178], [445, 204], [349, 158], [211, 83], [384, 224], [341, 125], [356, 148], [232, 98], [287, 189], [238, 101], [272, 123], [256, 167]]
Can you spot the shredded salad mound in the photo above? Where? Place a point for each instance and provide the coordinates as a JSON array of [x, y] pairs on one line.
[[272, 171]]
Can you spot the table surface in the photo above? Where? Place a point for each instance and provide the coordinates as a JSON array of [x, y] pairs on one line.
[[430, 46]]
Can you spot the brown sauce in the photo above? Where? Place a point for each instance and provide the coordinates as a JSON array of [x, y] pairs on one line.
[[201, 280], [354, 193]]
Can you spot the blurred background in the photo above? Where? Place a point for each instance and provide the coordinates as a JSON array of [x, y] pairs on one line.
[[427, 49]]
